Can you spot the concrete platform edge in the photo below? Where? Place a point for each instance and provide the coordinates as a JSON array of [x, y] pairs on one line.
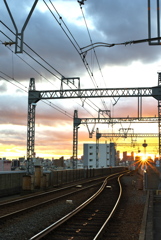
[[144, 220]]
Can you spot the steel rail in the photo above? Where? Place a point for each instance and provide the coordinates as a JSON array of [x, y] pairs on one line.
[[100, 232], [56, 224], [6, 216], [38, 195]]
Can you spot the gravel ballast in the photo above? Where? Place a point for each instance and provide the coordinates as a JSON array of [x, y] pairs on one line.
[[130, 214]]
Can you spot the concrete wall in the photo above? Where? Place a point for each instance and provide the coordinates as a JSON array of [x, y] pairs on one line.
[[10, 182]]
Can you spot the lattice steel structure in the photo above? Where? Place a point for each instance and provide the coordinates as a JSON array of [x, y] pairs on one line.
[[35, 96], [85, 121], [123, 135], [75, 140], [117, 135], [31, 127], [96, 93]]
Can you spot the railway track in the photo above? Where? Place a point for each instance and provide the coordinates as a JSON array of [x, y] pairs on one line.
[[22, 205], [89, 220]]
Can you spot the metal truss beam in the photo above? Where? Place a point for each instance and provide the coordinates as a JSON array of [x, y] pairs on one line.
[[94, 121], [116, 120], [117, 135], [96, 93], [35, 96], [124, 144]]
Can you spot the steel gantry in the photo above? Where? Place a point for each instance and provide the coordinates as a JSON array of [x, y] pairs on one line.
[[117, 135], [123, 135], [34, 96], [85, 121], [96, 93]]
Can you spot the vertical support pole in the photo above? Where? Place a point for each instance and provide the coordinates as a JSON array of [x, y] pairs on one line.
[[149, 22], [159, 116], [158, 20], [139, 107], [110, 153], [75, 139], [31, 129], [97, 148]]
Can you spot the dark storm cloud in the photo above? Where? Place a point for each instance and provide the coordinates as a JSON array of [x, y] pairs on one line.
[[121, 21], [113, 21], [43, 35]]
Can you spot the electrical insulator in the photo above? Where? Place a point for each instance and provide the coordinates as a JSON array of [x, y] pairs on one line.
[[8, 43]]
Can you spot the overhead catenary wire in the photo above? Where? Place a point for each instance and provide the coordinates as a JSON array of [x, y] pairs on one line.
[[44, 101], [44, 78], [44, 60], [99, 67], [28, 63], [12, 82], [42, 65], [75, 43]]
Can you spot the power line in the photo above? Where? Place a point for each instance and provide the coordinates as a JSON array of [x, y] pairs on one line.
[[43, 77], [12, 82], [76, 45], [103, 102], [46, 102], [41, 64]]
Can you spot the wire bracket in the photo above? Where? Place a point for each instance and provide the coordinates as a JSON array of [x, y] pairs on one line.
[[19, 36]]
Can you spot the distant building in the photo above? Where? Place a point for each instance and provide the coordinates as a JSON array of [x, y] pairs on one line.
[[117, 157], [107, 155], [128, 157], [5, 165], [58, 162]]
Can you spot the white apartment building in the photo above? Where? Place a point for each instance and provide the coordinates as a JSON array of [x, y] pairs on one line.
[[106, 155]]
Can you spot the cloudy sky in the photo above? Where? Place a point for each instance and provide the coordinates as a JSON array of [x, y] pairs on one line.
[[53, 39]]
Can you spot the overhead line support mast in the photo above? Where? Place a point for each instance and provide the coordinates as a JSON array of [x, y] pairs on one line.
[[35, 96]]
